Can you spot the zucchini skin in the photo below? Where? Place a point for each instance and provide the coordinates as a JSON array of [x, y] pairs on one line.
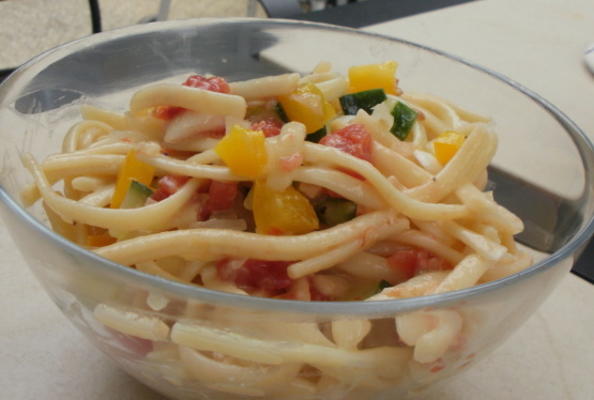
[[280, 111], [334, 211], [136, 195], [365, 100], [404, 118], [317, 135]]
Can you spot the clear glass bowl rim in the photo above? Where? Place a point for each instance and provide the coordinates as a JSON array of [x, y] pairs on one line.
[[104, 266]]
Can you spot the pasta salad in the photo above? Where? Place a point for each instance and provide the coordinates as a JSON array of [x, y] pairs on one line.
[[322, 187]]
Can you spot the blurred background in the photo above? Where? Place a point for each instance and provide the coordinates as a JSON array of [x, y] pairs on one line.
[[28, 27]]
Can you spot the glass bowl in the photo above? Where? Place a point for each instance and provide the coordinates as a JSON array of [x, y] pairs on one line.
[[283, 349]]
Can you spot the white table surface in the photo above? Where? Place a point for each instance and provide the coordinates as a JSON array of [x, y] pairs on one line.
[[536, 42]]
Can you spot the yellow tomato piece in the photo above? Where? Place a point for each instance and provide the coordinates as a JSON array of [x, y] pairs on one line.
[[244, 152], [373, 76], [282, 213], [308, 106], [132, 169], [446, 145]]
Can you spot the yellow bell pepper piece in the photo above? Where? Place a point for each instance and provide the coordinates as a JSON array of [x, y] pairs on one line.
[[244, 152], [373, 76], [329, 110], [446, 145], [282, 213], [308, 106], [132, 169]]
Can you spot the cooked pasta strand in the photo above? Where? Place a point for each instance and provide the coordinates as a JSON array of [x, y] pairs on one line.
[[151, 267], [206, 243], [399, 201], [274, 353], [84, 131], [420, 285], [100, 197], [424, 241], [466, 165], [368, 266], [500, 270], [392, 163], [486, 248], [154, 216], [92, 164], [443, 111], [465, 274], [199, 100], [211, 281], [267, 87], [150, 128], [488, 211], [345, 251], [333, 88], [433, 344], [255, 379], [349, 333], [345, 185], [88, 183], [170, 165], [131, 323], [112, 148]]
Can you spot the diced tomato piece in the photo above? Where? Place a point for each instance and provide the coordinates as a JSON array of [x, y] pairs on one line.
[[214, 133], [269, 277], [427, 262], [168, 185], [353, 139], [221, 196], [411, 262], [214, 83], [437, 368], [274, 231], [167, 113], [404, 262], [270, 126]]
